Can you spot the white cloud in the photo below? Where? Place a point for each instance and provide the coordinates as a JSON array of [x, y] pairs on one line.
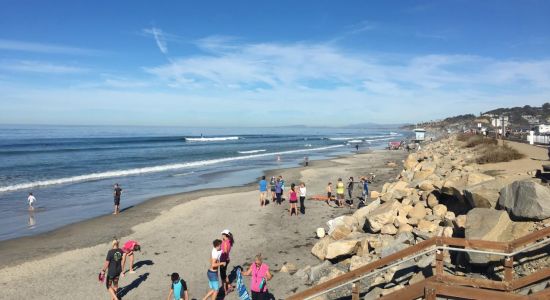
[[158, 35], [45, 48], [31, 66]]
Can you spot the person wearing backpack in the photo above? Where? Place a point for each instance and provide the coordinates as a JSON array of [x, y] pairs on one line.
[[178, 288]]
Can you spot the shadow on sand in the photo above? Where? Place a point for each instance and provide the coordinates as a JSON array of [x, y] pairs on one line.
[[133, 285]]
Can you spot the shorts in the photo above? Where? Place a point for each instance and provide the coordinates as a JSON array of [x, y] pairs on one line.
[[259, 295], [293, 201], [117, 200], [111, 281], [329, 195], [340, 196], [213, 282]]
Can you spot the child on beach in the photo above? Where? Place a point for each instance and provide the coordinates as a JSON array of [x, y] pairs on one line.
[[302, 198], [260, 275], [293, 199], [113, 267], [227, 243], [31, 199], [128, 251], [263, 191], [178, 288], [329, 192], [340, 192], [212, 273], [365, 188]]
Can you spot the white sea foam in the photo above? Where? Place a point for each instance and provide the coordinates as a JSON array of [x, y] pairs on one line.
[[252, 151], [212, 139], [380, 139], [355, 141], [154, 169]]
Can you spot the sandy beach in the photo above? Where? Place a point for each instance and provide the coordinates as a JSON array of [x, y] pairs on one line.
[[176, 233]]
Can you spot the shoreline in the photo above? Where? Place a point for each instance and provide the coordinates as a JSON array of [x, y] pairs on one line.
[[95, 231], [176, 234]]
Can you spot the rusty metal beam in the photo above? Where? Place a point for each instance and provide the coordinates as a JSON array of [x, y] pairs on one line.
[[463, 292], [412, 291], [474, 282], [532, 237], [530, 279], [541, 295], [474, 244]]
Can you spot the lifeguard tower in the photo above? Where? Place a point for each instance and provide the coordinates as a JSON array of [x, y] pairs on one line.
[[419, 135]]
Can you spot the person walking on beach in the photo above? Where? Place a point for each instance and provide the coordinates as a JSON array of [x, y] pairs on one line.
[[329, 192], [117, 191], [278, 190], [340, 192], [272, 188], [113, 267], [260, 275], [227, 243], [302, 198], [263, 191], [212, 274], [350, 191], [31, 199], [128, 251], [293, 199], [306, 161], [178, 288]]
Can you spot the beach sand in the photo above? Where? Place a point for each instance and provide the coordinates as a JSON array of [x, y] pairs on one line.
[[176, 233]]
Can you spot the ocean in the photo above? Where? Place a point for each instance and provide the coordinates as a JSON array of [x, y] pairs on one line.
[[71, 169]]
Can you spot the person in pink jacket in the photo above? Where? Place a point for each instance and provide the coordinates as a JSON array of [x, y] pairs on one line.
[[128, 251], [260, 275]]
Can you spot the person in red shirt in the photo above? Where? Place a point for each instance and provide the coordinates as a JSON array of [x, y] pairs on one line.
[[128, 251]]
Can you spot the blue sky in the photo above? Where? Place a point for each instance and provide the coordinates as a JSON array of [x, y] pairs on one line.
[[268, 63]]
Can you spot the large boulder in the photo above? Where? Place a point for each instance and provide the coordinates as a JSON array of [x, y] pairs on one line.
[[488, 225], [410, 162], [526, 199], [344, 247], [484, 194], [361, 214], [320, 248], [418, 212], [382, 215]]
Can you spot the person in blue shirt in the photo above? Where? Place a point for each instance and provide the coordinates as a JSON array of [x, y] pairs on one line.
[[263, 191], [178, 288]]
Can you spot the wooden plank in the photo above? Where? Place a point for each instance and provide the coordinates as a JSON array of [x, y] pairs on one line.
[[471, 293], [474, 282], [530, 238], [530, 279], [412, 291], [509, 270], [351, 276]]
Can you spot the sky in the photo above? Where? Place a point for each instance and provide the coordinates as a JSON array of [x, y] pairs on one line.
[[268, 63]]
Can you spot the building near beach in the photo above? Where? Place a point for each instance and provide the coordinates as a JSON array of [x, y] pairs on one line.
[[420, 134]]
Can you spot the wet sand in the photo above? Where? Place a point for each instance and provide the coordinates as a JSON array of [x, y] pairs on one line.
[[176, 233]]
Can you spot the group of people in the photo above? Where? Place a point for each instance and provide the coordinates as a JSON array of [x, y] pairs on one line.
[[277, 188], [341, 188], [114, 267]]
